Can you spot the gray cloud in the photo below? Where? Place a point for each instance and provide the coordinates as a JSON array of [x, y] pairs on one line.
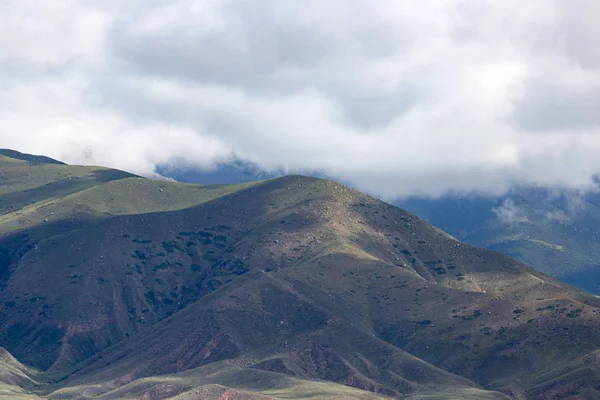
[[578, 25], [548, 105], [255, 44], [274, 48], [393, 97]]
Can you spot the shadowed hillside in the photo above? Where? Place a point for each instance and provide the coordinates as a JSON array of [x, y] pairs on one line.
[[293, 287]]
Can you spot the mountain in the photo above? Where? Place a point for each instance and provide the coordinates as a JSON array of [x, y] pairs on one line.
[[114, 286], [556, 232], [553, 230]]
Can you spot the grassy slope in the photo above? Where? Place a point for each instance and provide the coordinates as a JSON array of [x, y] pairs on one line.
[[24, 183], [294, 275], [218, 379], [33, 194], [16, 380], [222, 378]]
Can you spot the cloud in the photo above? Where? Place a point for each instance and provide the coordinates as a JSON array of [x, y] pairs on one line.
[[560, 103], [393, 97], [507, 212]]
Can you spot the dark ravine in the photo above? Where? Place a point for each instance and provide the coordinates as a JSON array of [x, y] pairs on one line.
[[293, 287]]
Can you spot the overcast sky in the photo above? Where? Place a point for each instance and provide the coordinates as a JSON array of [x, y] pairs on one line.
[[396, 97]]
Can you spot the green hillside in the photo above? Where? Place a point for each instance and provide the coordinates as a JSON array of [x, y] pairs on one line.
[[292, 287]]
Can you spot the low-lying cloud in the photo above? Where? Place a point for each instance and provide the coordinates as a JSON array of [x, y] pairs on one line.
[[393, 97]]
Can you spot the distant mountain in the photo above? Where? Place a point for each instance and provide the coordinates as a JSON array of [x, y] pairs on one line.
[[236, 172], [230, 173], [114, 286], [556, 232]]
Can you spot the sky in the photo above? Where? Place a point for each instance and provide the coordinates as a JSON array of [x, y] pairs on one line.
[[395, 97]]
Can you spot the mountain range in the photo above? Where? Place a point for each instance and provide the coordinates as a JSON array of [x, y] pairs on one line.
[[114, 286]]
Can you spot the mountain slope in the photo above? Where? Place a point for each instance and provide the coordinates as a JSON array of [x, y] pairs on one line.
[[282, 284], [470, 311], [556, 232]]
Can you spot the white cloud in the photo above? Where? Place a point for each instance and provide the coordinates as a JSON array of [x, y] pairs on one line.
[[507, 213], [393, 97]]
